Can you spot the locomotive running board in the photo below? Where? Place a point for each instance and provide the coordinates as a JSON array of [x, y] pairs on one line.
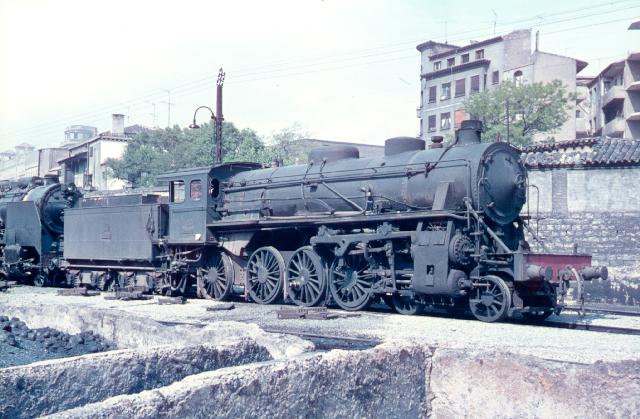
[[335, 219]]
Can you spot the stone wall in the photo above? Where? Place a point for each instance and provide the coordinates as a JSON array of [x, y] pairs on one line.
[[613, 238], [596, 208]]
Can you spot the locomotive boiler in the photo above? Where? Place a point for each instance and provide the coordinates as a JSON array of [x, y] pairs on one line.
[[31, 227], [418, 226]]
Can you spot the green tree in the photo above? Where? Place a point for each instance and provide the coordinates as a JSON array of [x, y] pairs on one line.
[[159, 151], [285, 145], [529, 108]]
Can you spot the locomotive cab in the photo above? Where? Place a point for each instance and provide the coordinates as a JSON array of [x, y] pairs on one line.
[[195, 199], [188, 203]]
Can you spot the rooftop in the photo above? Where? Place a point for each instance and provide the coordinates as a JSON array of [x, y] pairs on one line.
[[583, 152]]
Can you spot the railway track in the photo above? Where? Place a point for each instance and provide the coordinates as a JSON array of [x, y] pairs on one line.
[[583, 326], [604, 311]]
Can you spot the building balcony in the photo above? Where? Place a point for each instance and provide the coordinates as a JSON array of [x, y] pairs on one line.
[[614, 128], [634, 87], [582, 125], [635, 116], [614, 95]]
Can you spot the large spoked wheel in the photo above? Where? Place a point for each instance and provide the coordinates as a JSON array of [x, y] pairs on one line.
[[306, 284], [490, 299], [404, 304], [216, 279], [265, 275], [351, 282]]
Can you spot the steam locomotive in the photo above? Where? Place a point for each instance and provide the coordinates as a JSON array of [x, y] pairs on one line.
[[31, 228], [438, 226]]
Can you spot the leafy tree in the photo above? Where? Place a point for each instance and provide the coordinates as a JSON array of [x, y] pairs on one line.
[[285, 146], [532, 108], [159, 151]]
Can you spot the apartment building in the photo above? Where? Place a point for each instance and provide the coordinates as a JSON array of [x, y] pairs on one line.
[[450, 74], [615, 99], [86, 164]]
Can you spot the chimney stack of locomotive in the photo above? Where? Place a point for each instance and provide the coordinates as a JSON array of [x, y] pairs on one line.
[[469, 132]]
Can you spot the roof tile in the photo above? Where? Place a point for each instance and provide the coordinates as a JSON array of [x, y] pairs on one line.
[[596, 151]]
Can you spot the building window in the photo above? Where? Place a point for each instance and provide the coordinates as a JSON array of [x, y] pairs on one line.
[[437, 65], [465, 58], [484, 77], [431, 124], [195, 190], [517, 78], [432, 94], [460, 87], [496, 77], [176, 191], [445, 121], [479, 54], [577, 113], [445, 92], [475, 84], [451, 62]]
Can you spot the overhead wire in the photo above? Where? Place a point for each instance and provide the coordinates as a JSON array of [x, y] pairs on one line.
[[245, 77]]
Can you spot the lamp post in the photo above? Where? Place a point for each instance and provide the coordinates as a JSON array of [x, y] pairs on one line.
[[216, 117]]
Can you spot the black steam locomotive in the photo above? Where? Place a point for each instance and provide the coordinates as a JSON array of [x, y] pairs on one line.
[[438, 226], [31, 227]]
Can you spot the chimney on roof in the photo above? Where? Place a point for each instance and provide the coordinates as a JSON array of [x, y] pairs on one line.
[[117, 124]]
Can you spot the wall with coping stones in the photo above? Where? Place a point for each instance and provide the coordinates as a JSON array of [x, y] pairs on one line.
[[597, 208]]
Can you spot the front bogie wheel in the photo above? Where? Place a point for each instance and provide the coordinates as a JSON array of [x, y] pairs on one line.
[[490, 299], [407, 305]]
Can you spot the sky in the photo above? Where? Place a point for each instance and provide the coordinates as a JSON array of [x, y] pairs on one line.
[[344, 70]]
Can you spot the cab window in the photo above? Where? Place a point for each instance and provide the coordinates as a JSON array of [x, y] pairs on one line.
[[176, 191], [195, 189]]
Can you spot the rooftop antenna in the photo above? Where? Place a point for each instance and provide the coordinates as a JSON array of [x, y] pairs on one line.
[[446, 41], [495, 20]]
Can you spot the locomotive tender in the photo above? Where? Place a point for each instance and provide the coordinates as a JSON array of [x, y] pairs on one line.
[[438, 226]]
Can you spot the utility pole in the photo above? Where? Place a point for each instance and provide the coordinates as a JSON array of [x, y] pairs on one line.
[[155, 124], [508, 122], [168, 106], [219, 118]]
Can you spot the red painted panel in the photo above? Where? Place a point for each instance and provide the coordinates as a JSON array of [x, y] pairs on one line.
[[559, 262]]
